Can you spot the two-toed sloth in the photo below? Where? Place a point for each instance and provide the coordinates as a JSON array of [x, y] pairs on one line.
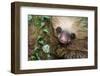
[[69, 28]]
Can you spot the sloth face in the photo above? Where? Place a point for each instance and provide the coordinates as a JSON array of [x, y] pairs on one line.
[[68, 28], [64, 36]]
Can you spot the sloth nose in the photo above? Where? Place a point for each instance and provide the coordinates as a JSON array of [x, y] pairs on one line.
[[65, 38]]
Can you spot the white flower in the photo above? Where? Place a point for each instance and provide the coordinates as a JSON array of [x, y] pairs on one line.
[[46, 48]]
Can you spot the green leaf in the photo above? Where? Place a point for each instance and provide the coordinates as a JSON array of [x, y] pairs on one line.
[[29, 17], [42, 24], [37, 56], [37, 21], [39, 38], [33, 57], [41, 42], [36, 48], [45, 18], [45, 30]]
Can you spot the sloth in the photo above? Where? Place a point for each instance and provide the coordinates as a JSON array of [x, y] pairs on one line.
[[69, 28], [72, 36]]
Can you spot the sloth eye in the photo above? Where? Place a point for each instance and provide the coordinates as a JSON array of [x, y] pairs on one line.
[[58, 30], [73, 36]]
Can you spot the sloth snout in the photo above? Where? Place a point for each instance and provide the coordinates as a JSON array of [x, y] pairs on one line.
[[66, 38]]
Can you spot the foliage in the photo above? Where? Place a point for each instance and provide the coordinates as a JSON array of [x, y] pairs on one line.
[[42, 45]]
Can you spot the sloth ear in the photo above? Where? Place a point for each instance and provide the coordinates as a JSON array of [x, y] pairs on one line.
[[58, 30]]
